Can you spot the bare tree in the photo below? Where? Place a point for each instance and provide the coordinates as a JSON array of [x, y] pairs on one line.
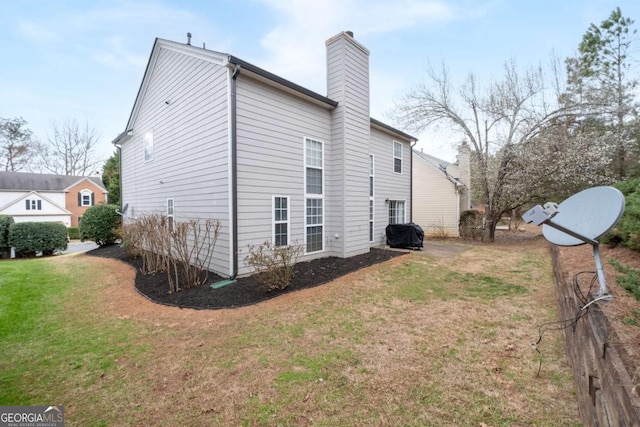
[[499, 123], [71, 149], [17, 148]]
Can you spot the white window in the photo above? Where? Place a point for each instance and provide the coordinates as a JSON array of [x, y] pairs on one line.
[[397, 157], [170, 214], [313, 166], [85, 198], [371, 197], [314, 195], [33, 204], [280, 220], [396, 212], [315, 221], [148, 146]]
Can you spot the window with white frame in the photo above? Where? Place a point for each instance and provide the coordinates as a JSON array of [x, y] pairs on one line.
[[371, 169], [148, 146], [85, 198], [314, 225], [397, 157], [280, 221], [33, 204], [396, 212], [314, 195], [170, 210]]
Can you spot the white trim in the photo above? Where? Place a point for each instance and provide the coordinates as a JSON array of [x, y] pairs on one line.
[[229, 167], [404, 210], [171, 216], [274, 221], [24, 196], [372, 195], [308, 196], [394, 157], [147, 140], [82, 194]]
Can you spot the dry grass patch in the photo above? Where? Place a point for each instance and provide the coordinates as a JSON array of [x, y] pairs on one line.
[[414, 341]]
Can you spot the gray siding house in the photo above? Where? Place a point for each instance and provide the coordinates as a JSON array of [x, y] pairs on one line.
[[213, 136]]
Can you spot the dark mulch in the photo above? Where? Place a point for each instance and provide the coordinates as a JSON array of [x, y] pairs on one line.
[[247, 290]]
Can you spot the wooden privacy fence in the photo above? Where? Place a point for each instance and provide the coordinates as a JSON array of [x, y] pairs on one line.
[[605, 391]]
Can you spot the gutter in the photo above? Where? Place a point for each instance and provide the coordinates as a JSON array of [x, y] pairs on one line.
[[234, 170], [415, 141], [234, 182]]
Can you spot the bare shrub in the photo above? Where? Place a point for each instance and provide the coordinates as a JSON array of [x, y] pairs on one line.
[[155, 243], [438, 232], [191, 248], [131, 236], [183, 251], [273, 264], [471, 224]]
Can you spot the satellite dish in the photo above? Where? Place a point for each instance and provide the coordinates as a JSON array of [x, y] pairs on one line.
[[582, 218], [590, 213], [124, 210]]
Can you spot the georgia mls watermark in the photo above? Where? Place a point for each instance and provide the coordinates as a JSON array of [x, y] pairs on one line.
[[32, 416]]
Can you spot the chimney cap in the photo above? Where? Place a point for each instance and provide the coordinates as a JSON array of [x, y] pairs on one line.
[[189, 39], [349, 33]]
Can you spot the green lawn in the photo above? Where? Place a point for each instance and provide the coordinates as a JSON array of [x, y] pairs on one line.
[[414, 341]]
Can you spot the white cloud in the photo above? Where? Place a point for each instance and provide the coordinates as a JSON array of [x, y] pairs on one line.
[[295, 48], [36, 32]]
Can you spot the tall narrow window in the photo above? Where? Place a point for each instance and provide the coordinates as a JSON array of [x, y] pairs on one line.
[[280, 220], [397, 157], [371, 198], [170, 214], [396, 212], [148, 146], [314, 195], [314, 225]]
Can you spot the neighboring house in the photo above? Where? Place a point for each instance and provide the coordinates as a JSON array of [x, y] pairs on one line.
[[213, 136], [440, 192], [42, 197]]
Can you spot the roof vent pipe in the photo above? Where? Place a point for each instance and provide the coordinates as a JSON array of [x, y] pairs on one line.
[[349, 33], [188, 39]]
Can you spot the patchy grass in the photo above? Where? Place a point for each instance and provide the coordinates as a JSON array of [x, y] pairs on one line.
[[415, 341], [47, 351], [629, 278]]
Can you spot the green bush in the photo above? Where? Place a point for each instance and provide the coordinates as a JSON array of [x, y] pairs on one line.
[[74, 233], [5, 223], [100, 224], [627, 231], [27, 238]]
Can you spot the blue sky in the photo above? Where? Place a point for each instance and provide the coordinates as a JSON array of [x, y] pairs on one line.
[[85, 60]]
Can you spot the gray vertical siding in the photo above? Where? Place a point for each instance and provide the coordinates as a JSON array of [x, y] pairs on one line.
[[184, 103], [271, 126], [388, 185]]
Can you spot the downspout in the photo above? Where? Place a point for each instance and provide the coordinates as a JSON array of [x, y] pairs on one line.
[[234, 184], [413, 144], [234, 171]]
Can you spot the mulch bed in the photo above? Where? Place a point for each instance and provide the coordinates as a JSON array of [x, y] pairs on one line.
[[247, 290]]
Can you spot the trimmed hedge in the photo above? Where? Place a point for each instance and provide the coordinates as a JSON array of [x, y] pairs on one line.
[[100, 224], [627, 231], [74, 233], [5, 247], [27, 238]]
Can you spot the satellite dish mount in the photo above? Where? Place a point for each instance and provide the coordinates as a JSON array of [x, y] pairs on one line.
[[582, 218]]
